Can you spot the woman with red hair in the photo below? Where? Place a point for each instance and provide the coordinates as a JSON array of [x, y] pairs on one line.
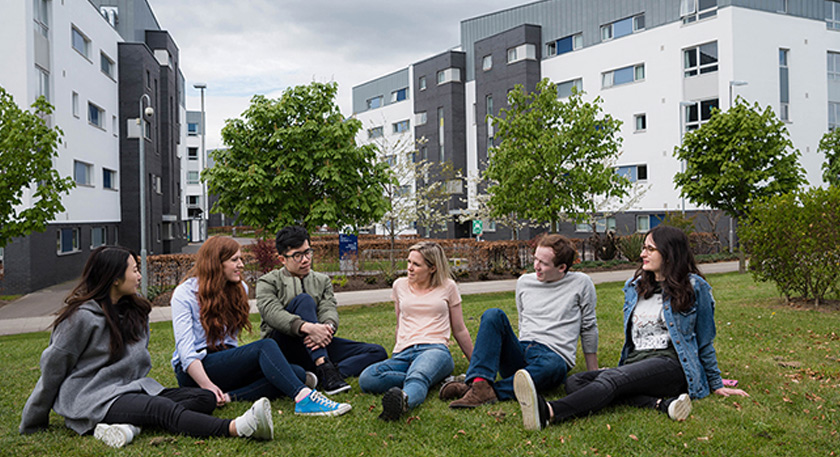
[[209, 309]]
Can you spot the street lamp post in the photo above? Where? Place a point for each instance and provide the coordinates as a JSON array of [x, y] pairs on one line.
[[203, 220], [732, 84], [148, 111]]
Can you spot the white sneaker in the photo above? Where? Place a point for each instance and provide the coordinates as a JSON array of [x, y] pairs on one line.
[[256, 422], [116, 435], [680, 408], [311, 380]]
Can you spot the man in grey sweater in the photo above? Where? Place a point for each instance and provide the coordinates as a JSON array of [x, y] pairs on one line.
[[556, 307]]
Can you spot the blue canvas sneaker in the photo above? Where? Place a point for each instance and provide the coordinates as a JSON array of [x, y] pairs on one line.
[[316, 404]]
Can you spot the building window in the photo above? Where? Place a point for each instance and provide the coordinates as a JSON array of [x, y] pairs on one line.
[[114, 125], [833, 66], [192, 153], [374, 102], [564, 89], [781, 6], [633, 172], [832, 14], [422, 83], [622, 27], [833, 115], [699, 113], [488, 107], [449, 75], [192, 177], [399, 95], [96, 115], [700, 59], [440, 134], [642, 223], [41, 16], [375, 132], [564, 45], [98, 237], [75, 104], [640, 121], [420, 118], [106, 65], [694, 10], [82, 173], [522, 52], [487, 62], [79, 42], [601, 225], [192, 128], [109, 179], [43, 82], [784, 85], [401, 126], [67, 240], [193, 200], [623, 76]]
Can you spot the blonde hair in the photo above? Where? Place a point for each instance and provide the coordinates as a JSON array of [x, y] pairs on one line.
[[435, 258]]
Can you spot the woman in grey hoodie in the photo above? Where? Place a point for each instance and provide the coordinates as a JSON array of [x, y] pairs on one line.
[[94, 371]]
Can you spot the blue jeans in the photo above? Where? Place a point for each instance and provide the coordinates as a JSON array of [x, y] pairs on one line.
[[350, 357], [638, 384], [250, 372], [414, 370], [498, 350]]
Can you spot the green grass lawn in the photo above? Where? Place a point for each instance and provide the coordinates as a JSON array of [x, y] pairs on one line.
[[788, 360]]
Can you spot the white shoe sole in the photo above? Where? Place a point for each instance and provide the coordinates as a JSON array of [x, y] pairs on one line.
[[265, 426], [680, 408], [526, 395], [111, 435], [337, 391], [311, 380]]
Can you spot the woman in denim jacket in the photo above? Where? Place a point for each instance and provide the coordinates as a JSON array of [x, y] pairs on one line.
[[668, 356]]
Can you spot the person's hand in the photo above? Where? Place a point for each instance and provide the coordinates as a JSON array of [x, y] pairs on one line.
[[727, 391], [317, 335], [221, 397]]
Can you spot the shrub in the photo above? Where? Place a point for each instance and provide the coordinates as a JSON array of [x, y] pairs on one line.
[[631, 246], [266, 255], [339, 281], [793, 241]]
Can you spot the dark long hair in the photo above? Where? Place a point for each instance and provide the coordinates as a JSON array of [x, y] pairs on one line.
[[677, 264], [224, 305], [128, 319]]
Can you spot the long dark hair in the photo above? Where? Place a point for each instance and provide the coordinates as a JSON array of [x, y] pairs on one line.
[[677, 264], [224, 304], [127, 319]]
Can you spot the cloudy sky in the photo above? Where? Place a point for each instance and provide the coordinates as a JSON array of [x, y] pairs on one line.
[[247, 47]]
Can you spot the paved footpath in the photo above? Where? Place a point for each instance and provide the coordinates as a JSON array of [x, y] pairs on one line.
[[35, 312]]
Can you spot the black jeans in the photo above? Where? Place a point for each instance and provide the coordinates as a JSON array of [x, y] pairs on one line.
[[182, 410], [638, 384]]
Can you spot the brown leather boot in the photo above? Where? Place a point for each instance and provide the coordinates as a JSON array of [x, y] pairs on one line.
[[480, 393], [453, 389]]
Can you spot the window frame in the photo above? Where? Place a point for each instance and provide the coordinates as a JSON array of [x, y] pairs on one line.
[[75, 242], [88, 167], [111, 182], [448, 75], [375, 102], [395, 95], [518, 53], [608, 77], [100, 115], [401, 126], [699, 106], [110, 72], [487, 62], [602, 224], [74, 31], [421, 83], [575, 83], [421, 118], [636, 22], [193, 177], [698, 68], [690, 11], [104, 239], [375, 132], [636, 119]]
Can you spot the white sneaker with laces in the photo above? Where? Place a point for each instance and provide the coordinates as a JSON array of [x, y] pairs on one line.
[[256, 422], [116, 435]]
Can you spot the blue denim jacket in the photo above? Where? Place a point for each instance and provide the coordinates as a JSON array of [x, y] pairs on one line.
[[692, 333]]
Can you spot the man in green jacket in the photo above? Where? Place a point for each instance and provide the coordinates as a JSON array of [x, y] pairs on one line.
[[298, 310]]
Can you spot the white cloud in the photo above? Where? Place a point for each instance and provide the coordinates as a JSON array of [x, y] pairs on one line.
[[242, 48]]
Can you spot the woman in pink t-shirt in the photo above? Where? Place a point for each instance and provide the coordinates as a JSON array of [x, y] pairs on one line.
[[428, 308]]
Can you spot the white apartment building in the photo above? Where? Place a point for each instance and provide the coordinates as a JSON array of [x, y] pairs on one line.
[[659, 66]]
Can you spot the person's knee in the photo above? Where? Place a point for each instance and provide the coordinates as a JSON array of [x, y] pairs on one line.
[[493, 316], [302, 302], [377, 352], [205, 402]]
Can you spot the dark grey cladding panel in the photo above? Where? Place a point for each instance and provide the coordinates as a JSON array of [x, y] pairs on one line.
[[382, 86], [502, 77], [450, 97]]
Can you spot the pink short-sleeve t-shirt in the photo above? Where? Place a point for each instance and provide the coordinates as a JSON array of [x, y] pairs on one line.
[[424, 319]]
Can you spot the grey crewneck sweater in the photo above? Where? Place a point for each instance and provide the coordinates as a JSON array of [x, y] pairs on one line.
[[556, 313]]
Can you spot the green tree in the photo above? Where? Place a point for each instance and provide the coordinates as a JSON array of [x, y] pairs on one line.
[[830, 146], [553, 156], [294, 160], [738, 158], [27, 149]]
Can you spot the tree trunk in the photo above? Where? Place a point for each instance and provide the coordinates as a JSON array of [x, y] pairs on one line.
[[742, 260]]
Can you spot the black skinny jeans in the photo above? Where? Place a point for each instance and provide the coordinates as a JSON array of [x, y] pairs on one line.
[[181, 410], [639, 384]]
